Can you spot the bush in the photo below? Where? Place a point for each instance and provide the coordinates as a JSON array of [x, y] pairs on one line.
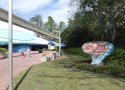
[[75, 51], [114, 64], [4, 49], [116, 71], [75, 36], [118, 54], [55, 49]]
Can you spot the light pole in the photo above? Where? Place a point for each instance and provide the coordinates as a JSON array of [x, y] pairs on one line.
[[10, 36], [59, 42]]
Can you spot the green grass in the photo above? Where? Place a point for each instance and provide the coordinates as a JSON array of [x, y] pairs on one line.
[[61, 75], [114, 64]]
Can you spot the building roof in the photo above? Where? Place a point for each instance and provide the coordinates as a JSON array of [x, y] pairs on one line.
[[20, 36]]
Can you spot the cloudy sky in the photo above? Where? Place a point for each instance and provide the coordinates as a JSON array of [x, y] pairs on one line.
[[26, 9]]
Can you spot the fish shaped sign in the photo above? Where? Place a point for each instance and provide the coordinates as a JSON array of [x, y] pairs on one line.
[[98, 50]]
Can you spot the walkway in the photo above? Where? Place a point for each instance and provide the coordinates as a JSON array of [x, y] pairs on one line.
[[18, 66]]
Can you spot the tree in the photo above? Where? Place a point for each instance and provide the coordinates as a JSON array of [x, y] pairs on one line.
[[50, 25], [110, 12], [75, 36], [61, 26], [101, 16], [37, 20]]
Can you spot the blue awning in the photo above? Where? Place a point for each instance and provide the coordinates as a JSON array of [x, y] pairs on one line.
[[52, 43], [62, 45]]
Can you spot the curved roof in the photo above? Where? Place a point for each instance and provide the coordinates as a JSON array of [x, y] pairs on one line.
[[20, 35]]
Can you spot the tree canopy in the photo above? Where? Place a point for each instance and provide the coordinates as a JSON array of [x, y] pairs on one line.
[[103, 19], [37, 20], [50, 24]]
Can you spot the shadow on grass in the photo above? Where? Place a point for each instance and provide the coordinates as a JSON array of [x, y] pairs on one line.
[[70, 77], [99, 76], [18, 84]]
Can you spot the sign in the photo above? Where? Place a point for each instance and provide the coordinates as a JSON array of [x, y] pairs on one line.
[[98, 50], [50, 47]]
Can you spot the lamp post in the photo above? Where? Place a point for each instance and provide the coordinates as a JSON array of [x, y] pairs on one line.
[[59, 41], [59, 44], [10, 36]]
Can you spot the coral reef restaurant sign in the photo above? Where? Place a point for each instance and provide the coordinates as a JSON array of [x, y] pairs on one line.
[[98, 50]]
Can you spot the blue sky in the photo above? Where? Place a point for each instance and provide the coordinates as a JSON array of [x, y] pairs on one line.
[[26, 9]]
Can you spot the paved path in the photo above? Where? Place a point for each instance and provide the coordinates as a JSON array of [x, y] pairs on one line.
[[18, 66]]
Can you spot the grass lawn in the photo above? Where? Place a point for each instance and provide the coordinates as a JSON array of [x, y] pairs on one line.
[[54, 76]]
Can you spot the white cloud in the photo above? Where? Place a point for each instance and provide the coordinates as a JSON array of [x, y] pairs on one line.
[[58, 10], [4, 4], [58, 15], [26, 6]]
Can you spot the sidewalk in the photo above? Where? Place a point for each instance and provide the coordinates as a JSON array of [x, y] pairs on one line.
[[18, 66]]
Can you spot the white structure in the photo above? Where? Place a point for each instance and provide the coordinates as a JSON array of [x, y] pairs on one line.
[[20, 36]]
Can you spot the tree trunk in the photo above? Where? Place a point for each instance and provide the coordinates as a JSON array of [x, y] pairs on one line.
[[113, 34], [102, 35]]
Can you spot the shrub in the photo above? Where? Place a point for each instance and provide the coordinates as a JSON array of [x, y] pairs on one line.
[[4, 49], [75, 36], [75, 51], [114, 64], [118, 54]]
